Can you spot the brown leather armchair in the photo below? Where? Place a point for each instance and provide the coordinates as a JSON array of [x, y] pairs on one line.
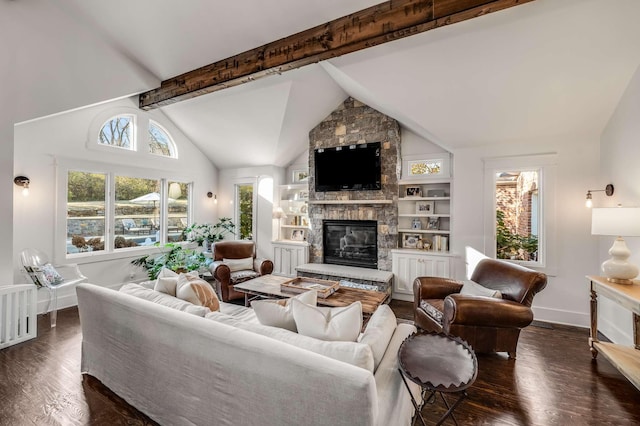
[[225, 278], [487, 324]]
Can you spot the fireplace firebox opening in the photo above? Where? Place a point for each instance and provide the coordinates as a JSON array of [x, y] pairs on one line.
[[350, 242]]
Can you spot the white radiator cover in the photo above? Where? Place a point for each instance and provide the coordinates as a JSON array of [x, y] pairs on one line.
[[18, 314]]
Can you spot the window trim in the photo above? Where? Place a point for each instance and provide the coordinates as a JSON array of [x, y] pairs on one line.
[[62, 168], [545, 164]]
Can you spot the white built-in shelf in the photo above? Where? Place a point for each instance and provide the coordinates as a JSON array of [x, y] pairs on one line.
[[351, 202], [423, 231], [423, 215], [296, 226], [424, 198]]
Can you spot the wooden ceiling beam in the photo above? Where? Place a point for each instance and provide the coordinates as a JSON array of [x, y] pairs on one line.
[[369, 27]]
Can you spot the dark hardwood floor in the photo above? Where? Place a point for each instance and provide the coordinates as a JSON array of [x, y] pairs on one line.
[[553, 382]]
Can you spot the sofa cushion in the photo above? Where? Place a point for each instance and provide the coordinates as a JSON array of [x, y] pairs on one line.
[[197, 291], [337, 324], [278, 312], [472, 288], [378, 332], [358, 354], [239, 264], [239, 312], [151, 295]]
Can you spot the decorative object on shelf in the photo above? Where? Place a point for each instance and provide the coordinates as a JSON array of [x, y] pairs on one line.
[[619, 222], [413, 191], [303, 195], [433, 223], [435, 193], [410, 240], [297, 235], [300, 175], [608, 190], [303, 209], [416, 224], [425, 207], [279, 214]]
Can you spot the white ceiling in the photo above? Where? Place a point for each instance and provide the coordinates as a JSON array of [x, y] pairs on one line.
[[546, 68]]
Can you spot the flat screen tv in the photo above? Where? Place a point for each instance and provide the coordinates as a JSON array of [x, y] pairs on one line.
[[348, 168]]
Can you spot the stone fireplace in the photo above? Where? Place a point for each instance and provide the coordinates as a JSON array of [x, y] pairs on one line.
[[355, 123], [350, 242]]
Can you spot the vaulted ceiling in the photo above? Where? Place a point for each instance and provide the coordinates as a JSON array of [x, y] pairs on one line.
[[545, 68]]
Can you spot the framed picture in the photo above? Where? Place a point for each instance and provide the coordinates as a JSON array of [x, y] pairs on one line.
[[413, 191], [425, 207], [297, 235], [411, 240], [300, 175], [424, 167], [433, 223]]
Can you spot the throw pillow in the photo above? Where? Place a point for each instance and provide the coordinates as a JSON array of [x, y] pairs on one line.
[[355, 353], [239, 264], [335, 324], [51, 274], [278, 313], [471, 288], [379, 331], [163, 299], [166, 285], [197, 291]]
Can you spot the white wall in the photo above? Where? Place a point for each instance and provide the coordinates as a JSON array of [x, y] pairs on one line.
[[620, 150], [40, 143], [566, 297]]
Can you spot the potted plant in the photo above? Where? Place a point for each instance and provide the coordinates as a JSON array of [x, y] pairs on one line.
[[178, 259], [205, 233]]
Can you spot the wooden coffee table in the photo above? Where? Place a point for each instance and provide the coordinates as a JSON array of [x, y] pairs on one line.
[[269, 286]]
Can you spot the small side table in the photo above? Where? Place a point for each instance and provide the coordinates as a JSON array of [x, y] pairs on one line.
[[439, 364]]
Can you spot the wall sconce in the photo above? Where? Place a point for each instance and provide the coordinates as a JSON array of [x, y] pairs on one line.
[[214, 196], [608, 190], [24, 182]]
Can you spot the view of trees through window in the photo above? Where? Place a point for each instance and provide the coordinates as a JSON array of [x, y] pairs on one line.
[[137, 216], [517, 215], [245, 211], [117, 132], [159, 141]]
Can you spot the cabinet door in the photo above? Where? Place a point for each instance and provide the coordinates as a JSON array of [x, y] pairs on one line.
[[406, 268], [286, 258]]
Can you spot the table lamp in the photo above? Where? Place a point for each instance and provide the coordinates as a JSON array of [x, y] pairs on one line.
[[619, 222], [279, 214]]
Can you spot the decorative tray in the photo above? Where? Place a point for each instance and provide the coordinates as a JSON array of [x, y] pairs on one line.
[[325, 288]]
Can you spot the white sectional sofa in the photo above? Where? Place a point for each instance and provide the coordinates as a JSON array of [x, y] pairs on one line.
[[180, 365]]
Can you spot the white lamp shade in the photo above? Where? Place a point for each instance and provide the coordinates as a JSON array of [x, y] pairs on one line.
[[616, 221], [278, 213]]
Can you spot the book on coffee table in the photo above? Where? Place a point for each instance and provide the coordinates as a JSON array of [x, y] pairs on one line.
[[324, 288]]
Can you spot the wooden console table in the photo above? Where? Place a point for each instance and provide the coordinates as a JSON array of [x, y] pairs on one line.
[[625, 358]]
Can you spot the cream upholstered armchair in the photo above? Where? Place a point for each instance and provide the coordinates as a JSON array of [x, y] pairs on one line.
[[233, 263]]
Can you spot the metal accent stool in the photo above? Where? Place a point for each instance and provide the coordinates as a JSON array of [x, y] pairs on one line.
[[439, 364]]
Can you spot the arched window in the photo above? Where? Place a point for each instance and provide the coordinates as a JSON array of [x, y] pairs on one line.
[[118, 132], [160, 141]]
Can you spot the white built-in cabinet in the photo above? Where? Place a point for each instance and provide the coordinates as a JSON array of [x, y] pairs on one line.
[[408, 264], [291, 248], [287, 255]]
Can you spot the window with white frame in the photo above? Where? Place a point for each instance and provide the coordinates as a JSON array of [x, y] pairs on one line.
[[112, 211], [118, 132], [245, 210], [160, 142], [519, 210]]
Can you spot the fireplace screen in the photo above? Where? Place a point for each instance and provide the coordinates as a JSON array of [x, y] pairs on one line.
[[351, 242]]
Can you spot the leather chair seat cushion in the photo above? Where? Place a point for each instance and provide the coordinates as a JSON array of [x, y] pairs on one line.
[[241, 276], [434, 308]]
